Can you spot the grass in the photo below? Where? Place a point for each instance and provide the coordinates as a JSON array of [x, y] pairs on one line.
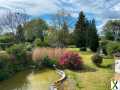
[[92, 78]]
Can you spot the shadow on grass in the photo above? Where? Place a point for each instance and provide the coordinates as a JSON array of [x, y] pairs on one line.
[[86, 68], [109, 66]]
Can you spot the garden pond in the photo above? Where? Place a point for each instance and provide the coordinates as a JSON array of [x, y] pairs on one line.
[[29, 80]]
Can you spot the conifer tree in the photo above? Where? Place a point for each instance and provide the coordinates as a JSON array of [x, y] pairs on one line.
[[93, 41], [80, 31]]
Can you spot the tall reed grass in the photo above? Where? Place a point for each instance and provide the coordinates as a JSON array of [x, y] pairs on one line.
[[52, 53]]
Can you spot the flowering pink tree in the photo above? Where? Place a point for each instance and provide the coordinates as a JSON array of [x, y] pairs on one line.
[[71, 60]]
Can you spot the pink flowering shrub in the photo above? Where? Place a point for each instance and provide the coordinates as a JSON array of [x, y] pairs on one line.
[[71, 60]]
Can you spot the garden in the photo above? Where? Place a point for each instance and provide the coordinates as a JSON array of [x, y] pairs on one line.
[[31, 55]]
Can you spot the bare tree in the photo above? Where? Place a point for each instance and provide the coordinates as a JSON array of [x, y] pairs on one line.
[[60, 18], [12, 19], [61, 21]]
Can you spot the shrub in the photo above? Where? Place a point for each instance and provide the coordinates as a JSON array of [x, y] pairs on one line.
[[97, 59], [6, 39], [48, 62], [83, 49], [103, 44], [113, 47], [38, 42], [71, 60], [6, 69], [109, 35], [18, 52], [4, 59], [28, 46], [4, 75]]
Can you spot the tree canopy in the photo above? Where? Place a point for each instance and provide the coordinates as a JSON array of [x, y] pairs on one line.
[[112, 30], [85, 33], [35, 28]]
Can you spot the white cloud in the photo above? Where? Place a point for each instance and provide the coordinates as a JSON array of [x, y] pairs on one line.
[[32, 7], [102, 9], [117, 7]]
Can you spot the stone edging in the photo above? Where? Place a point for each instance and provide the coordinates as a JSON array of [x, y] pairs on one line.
[[57, 83]]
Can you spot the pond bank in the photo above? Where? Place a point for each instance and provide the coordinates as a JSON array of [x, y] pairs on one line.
[[28, 80]]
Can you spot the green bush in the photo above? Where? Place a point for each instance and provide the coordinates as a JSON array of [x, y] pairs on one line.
[[113, 47], [28, 46], [18, 67], [97, 59], [109, 35], [18, 51], [4, 59], [8, 39], [103, 44], [48, 62], [38, 42], [6, 69], [4, 74]]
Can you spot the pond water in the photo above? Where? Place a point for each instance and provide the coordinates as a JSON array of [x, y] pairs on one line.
[[28, 80]]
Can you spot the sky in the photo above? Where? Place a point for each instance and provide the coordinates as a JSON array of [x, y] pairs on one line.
[[101, 10]]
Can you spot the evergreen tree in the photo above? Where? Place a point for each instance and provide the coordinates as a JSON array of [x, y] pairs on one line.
[[85, 33], [88, 33], [93, 41], [80, 31]]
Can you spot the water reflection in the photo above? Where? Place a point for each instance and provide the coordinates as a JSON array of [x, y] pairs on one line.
[[29, 80]]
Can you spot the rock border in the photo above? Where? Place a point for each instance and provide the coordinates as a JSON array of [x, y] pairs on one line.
[[57, 83]]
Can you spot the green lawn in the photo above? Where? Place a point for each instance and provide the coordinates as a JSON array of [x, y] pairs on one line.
[[92, 78]]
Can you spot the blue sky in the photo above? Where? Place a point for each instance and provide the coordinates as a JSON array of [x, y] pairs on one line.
[[101, 10]]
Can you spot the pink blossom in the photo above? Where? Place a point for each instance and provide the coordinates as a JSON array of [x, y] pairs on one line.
[[70, 58]]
